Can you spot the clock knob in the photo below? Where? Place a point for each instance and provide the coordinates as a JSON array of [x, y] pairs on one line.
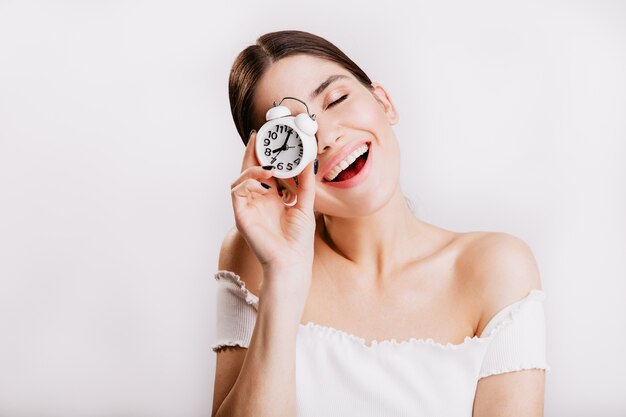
[[306, 124], [276, 112]]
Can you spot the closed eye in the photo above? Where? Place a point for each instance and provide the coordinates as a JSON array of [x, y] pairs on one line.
[[339, 100]]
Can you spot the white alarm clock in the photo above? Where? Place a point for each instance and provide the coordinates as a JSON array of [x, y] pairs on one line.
[[287, 142]]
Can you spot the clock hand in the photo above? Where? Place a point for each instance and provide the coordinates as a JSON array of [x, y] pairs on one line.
[[279, 150], [283, 149], [287, 139], [284, 145]]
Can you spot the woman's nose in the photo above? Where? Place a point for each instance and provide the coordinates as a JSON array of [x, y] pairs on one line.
[[328, 134]]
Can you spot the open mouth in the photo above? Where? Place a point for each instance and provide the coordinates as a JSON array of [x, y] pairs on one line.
[[353, 169]]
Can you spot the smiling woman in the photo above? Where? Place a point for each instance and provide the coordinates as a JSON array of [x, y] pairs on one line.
[[344, 303]]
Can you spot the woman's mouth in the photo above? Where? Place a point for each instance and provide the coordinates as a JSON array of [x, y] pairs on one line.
[[352, 174], [353, 169]]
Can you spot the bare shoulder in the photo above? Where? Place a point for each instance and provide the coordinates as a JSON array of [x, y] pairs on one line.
[[236, 256], [502, 270]]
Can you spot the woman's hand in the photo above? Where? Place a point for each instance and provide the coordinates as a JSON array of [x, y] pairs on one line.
[[281, 236]]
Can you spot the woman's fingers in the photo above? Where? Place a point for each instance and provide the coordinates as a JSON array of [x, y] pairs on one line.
[[246, 189], [256, 172], [250, 170]]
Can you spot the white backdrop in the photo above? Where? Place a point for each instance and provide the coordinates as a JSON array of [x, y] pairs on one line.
[[117, 151]]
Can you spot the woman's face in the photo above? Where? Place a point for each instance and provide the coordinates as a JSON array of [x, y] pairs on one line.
[[364, 116]]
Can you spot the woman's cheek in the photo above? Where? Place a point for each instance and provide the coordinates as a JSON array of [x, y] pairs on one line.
[[362, 114]]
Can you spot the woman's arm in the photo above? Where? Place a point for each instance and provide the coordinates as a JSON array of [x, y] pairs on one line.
[[508, 271], [514, 394], [259, 380], [266, 382], [281, 238]]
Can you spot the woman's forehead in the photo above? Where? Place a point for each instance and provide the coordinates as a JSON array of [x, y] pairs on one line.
[[295, 76]]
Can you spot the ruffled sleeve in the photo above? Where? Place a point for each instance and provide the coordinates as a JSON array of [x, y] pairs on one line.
[[518, 337], [236, 311]]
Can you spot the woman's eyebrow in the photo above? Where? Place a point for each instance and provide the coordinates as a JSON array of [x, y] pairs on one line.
[[325, 84]]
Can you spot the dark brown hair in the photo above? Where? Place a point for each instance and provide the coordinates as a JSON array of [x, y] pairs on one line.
[[252, 62]]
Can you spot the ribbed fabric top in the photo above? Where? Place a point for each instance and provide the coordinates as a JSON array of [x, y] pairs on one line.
[[337, 374]]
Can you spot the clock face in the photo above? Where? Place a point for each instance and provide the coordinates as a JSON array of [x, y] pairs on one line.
[[282, 147]]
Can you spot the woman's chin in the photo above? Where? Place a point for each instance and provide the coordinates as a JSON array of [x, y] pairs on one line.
[[360, 204]]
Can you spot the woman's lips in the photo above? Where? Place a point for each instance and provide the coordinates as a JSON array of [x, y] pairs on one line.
[[359, 177], [347, 150]]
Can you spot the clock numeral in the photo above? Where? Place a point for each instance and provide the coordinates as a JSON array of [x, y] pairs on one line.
[[279, 165], [289, 166], [272, 135], [268, 152], [297, 161], [300, 153], [283, 129], [266, 142]]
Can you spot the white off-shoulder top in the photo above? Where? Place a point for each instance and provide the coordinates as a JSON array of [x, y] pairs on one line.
[[337, 374]]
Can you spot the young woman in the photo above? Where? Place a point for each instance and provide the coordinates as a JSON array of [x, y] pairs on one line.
[[333, 298]]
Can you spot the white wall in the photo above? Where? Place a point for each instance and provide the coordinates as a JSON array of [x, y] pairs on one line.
[[117, 151]]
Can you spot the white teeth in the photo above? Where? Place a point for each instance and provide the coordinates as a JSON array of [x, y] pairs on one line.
[[346, 162]]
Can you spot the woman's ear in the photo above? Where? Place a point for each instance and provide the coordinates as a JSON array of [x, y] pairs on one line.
[[381, 95]]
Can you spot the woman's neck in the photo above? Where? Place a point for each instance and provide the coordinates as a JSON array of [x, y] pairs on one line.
[[380, 242]]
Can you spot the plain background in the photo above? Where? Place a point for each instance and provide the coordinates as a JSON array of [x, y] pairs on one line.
[[117, 150]]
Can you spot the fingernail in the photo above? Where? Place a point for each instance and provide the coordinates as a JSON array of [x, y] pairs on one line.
[[268, 167], [251, 132], [315, 167], [267, 187]]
